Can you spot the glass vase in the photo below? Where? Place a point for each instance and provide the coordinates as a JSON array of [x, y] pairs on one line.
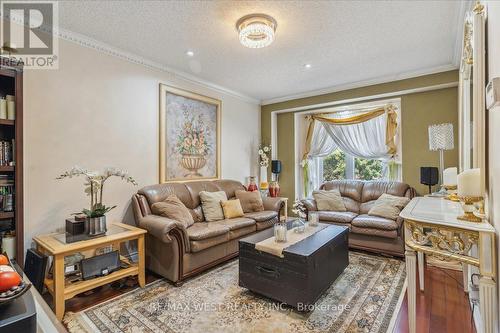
[[313, 219], [299, 226], [280, 232]]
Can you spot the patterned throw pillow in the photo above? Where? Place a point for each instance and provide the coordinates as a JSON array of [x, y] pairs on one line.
[[388, 206], [210, 203], [232, 208], [173, 209], [329, 200], [250, 201]]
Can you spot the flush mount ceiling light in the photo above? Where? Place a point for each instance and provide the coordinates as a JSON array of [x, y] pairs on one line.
[[256, 30]]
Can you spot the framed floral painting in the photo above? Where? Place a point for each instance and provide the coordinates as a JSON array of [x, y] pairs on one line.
[[189, 135]]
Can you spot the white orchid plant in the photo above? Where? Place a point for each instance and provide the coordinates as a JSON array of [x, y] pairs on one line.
[[264, 152], [94, 187], [299, 209]]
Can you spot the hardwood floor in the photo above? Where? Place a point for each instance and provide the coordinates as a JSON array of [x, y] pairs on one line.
[[443, 307]]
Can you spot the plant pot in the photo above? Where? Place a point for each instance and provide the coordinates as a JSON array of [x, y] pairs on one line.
[[95, 226], [193, 163]]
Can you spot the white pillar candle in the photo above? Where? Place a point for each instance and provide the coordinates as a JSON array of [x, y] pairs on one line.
[[11, 110], [469, 183], [3, 108], [450, 176]]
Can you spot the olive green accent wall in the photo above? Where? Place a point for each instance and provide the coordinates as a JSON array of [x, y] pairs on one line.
[[419, 110]]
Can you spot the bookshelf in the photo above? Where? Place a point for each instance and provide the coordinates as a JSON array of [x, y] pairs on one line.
[[11, 157]]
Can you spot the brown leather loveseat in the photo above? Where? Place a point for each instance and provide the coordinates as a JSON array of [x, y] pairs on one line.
[[372, 233], [176, 252]]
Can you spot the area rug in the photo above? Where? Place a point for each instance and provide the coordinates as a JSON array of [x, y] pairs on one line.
[[366, 297]]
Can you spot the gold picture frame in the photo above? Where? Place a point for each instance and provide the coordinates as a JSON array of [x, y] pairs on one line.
[[189, 136]]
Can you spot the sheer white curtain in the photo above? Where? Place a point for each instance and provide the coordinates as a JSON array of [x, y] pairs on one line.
[[364, 140], [321, 145]]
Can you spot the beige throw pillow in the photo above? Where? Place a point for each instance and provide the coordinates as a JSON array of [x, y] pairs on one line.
[[173, 209], [388, 206], [329, 200], [210, 203], [250, 201], [232, 208]]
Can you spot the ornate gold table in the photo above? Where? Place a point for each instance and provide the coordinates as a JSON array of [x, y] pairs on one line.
[[432, 228]]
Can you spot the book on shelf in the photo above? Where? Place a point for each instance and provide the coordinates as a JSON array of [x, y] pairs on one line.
[[6, 152]]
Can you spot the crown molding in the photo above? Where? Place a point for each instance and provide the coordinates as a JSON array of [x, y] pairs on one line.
[[361, 84], [107, 49]]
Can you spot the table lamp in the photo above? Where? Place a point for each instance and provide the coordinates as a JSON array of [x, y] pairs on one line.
[[441, 139]]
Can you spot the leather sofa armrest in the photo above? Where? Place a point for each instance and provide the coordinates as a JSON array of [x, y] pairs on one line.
[[164, 229], [273, 203], [309, 204], [400, 223], [411, 193]]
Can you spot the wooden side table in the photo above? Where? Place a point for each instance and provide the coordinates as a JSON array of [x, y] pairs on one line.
[[55, 245]]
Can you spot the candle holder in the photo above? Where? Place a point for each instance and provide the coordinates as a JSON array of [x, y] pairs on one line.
[[453, 195], [469, 208], [280, 230]]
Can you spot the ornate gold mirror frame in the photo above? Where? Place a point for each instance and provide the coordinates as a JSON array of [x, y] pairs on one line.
[[472, 109]]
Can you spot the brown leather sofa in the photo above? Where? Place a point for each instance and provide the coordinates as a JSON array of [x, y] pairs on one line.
[[371, 233], [176, 252]]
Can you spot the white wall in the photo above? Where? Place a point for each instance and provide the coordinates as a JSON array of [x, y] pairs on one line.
[[493, 70], [98, 110]]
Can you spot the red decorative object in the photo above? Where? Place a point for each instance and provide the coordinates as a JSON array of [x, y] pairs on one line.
[[252, 186], [274, 189]]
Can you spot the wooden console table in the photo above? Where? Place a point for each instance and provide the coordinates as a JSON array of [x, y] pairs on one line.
[[432, 228], [55, 245]]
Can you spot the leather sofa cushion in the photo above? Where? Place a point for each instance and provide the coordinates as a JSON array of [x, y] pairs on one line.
[[173, 209], [374, 222], [235, 223], [204, 230], [266, 224], [339, 217], [348, 188], [263, 216], [374, 232], [374, 189], [229, 186], [198, 245]]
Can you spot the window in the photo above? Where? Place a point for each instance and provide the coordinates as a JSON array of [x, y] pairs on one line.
[[339, 165]]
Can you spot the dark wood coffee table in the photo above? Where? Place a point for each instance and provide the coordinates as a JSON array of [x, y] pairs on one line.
[[308, 268]]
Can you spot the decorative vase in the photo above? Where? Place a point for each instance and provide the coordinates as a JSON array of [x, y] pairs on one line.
[[193, 162], [263, 174], [274, 189], [252, 186], [299, 226], [95, 226], [280, 230], [313, 219]]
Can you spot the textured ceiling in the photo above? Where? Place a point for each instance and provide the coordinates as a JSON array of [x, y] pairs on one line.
[[345, 41]]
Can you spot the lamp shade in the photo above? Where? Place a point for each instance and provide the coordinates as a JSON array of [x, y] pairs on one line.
[[441, 137]]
